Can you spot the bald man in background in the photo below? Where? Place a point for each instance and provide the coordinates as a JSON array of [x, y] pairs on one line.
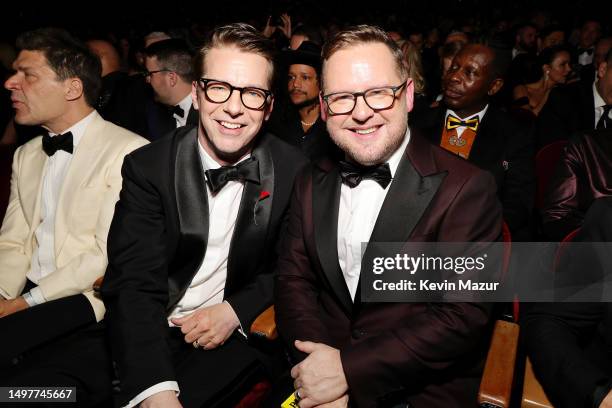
[[123, 98]]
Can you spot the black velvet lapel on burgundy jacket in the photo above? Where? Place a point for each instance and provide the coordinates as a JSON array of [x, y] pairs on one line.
[[429, 353]]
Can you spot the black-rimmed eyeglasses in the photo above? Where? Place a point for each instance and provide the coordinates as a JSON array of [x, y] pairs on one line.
[[148, 74], [219, 92], [342, 103]]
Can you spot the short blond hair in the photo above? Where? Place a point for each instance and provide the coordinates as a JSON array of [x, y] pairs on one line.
[[363, 34]]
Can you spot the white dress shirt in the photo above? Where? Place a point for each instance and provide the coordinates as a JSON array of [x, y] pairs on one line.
[[585, 58], [54, 173], [208, 284], [598, 103], [359, 208], [460, 129], [185, 104]]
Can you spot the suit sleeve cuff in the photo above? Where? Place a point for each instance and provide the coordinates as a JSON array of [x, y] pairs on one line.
[[240, 329], [162, 386], [34, 297]]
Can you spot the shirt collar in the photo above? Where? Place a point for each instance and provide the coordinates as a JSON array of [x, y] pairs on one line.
[[597, 99], [185, 105], [479, 114], [208, 163], [396, 157], [78, 129]]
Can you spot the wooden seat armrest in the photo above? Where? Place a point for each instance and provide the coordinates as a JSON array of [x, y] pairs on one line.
[[265, 325], [533, 394], [496, 385]]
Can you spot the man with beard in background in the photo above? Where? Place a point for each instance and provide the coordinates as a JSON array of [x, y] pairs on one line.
[[300, 124]]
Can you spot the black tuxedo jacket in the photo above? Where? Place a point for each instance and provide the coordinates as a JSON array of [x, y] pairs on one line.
[[504, 148], [157, 243], [569, 109], [161, 122]]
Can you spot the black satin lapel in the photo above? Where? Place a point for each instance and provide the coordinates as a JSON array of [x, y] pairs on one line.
[[326, 205], [192, 208], [192, 117], [408, 197], [485, 143], [252, 222]]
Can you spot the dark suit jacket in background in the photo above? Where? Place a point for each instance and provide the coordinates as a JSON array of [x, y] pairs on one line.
[[123, 100], [161, 122], [569, 109], [314, 143], [504, 148], [430, 353], [570, 344], [583, 174], [157, 242]]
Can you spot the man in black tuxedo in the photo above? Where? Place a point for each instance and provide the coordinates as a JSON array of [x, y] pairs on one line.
[[169, 72], [580, 106], [468, 126], [191, 246]]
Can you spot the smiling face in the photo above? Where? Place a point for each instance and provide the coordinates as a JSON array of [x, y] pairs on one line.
[[367, 136], [469, 81], [227, 130], [39, 97]]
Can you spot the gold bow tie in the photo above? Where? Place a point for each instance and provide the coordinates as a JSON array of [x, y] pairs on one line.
[[453, 122]]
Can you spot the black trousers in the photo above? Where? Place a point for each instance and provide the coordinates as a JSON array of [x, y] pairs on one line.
[[218, 377], [57, 343]]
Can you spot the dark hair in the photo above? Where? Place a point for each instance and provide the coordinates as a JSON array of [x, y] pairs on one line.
[[521, 27], [312, 33], [449, 50], [546, 31], [364, 34], [609, 58], [547, 55], [67, 56], [173, 54], [238, 35]]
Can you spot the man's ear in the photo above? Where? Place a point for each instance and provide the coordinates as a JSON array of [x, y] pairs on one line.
[[269, 108], [173, 78], [495, 86], [194, 95], [410, 94], [74, 88], [322, 109]]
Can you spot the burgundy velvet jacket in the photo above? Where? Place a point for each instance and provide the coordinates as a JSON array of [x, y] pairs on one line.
[[584, 173], [430, 354]]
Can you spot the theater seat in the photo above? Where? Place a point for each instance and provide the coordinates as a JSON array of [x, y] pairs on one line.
[[498, 375]]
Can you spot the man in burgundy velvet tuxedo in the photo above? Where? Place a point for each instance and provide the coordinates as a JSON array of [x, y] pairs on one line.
[[393, 187]]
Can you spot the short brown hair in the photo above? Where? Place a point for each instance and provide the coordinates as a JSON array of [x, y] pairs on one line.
[[363, 34], [239, 35]]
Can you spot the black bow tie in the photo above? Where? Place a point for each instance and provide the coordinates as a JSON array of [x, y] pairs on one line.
[[353, 174], [177, 110], [246, 170], [60, 142], [589, 51]]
